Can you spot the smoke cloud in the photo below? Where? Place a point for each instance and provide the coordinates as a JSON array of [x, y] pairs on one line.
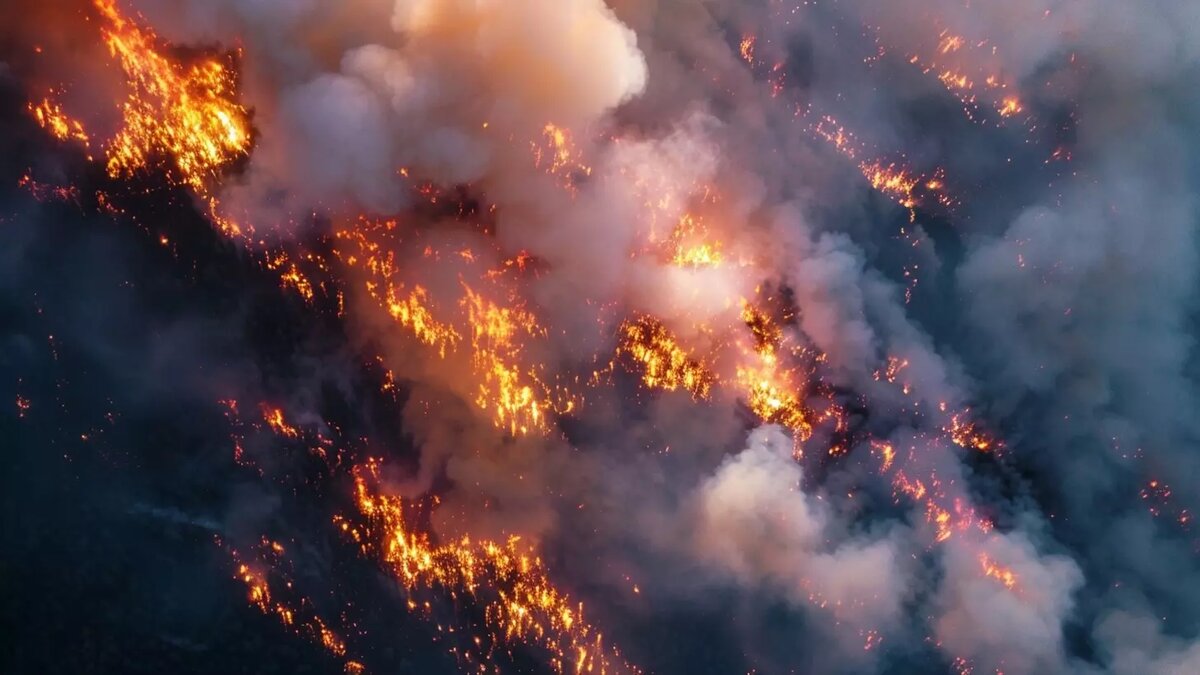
[[1009, 341]]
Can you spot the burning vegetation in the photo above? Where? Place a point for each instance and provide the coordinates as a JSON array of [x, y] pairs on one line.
[[497, 330]]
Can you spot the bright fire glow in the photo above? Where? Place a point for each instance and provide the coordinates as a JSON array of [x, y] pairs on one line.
[[520, 602], [183, 114]]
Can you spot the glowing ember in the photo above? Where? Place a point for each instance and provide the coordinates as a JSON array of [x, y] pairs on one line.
[[294, 612], [746, 49]]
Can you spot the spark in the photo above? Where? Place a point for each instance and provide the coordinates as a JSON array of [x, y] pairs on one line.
[[559, 156], [295, 612]]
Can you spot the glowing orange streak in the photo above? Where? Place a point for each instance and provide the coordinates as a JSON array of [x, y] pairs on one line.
[[520, 602], [664, 363], [275, 420], [297, 616], [995, 571], [50, 116]]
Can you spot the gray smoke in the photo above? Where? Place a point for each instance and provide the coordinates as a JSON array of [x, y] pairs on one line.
[[1056, 297]]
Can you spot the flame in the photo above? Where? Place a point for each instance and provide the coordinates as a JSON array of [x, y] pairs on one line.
[[186, 115], [1009, 106], [772, 390], [297, 615], [901, 184], [690, 247], [887, 452], [761, 373], [520, 602], [950, 43], [966, 434], [746, 49], [892, 181], [664, 362], [275, 420], [559, 156], [993, 570], [51, 117], [517, 398]]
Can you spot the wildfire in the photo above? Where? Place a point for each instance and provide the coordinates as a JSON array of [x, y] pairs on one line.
[[690, 247], [295, 612], [182, 117], [558, 155], [51, 117], [966, 434], [517, 398], [275, 420], [185, 114], [988, 83], [664, 363], [746, 49], [993, 570], [520, 602]]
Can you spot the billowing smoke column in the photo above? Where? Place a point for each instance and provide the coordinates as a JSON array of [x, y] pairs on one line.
[[864, 333]]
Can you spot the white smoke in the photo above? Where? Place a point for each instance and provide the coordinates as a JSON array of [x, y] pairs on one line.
[[757, 525]]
